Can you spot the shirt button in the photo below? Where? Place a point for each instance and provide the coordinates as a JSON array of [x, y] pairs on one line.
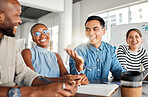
[[90, 69], [98, 69], [97, 50], [97, 60]]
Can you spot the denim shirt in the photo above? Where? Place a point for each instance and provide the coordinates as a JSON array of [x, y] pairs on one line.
[[97, 61]]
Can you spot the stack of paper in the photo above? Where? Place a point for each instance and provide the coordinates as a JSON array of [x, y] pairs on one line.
[[98, 89]]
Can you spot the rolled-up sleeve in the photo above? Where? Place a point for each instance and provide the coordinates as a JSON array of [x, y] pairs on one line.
[[24, 75]]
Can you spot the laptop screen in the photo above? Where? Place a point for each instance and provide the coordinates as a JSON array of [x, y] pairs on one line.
[[145, 78]]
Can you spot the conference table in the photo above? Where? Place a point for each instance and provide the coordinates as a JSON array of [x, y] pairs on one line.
[[117, 93]]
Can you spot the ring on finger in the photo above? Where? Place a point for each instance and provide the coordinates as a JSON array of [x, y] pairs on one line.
[[63, 86]]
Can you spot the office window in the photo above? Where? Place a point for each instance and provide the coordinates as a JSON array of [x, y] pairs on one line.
[[140, 10], [54, 38], [139, 13], [106, 21], [112, 19], [116, 16], [132, 14], [105, 18], [120, 17]]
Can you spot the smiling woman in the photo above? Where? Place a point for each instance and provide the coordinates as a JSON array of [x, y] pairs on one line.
[[40, 35], [132, 56], [41, 60], [45, 62]]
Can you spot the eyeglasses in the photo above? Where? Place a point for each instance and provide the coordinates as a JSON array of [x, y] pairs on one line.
[[39, 33]]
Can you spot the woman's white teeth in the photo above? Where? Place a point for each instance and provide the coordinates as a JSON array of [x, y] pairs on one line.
[[43, 40], [134, 43]]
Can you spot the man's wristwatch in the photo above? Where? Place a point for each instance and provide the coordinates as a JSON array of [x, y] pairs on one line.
[[14, 92]]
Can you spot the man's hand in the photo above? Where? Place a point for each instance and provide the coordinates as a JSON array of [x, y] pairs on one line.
[[80, 79], [56, 90], [78, 59], [84, 80], [70, 77]]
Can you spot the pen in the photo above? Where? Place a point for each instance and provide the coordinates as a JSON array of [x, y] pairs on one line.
[[79, 85], [106, 82]]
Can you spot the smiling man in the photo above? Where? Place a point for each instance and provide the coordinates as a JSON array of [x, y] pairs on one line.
[[14, 74], [96, 58]]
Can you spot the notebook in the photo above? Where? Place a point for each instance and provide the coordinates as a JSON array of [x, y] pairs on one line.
[[98, 89]]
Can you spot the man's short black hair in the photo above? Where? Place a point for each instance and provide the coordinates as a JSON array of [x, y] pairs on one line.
[[102, 22]]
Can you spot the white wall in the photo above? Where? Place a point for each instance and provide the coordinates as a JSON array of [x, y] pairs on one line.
[[25, 33], [18, 32], [119, 33], [64, 20], [65, 29], [76, 23], [88, 7], [49, 5], [50, 20]]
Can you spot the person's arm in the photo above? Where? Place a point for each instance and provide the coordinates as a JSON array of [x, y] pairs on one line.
[[26, 54], [49, 90], [79, 79], [116, 67], [121, 56], [4, 91], [63, 70], [145, 64], [42, 88], [79, 61]]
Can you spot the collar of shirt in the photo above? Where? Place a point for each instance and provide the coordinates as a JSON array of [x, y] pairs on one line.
[[129, 51], [93, 49], [43, 50]]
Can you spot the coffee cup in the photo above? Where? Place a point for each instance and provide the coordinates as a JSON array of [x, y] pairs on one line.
[[131, 84]]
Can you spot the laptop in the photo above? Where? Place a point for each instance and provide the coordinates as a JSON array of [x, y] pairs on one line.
[[145, 78]]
